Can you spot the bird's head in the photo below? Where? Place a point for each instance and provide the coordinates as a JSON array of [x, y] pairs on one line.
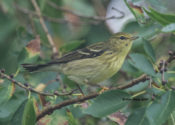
[[122, 41]]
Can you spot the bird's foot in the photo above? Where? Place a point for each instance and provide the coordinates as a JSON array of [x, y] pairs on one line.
[[104, 88]]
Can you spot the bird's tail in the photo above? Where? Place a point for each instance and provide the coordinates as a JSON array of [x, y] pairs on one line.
[[33, 68]]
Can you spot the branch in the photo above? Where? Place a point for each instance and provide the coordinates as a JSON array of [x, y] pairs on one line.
[[138, 80], [63, 20], [37, 9], [163, 66], [134, 82], [28, 88], [171, 57], [50, 109], [26, 11], [97, 18], [162, 71]]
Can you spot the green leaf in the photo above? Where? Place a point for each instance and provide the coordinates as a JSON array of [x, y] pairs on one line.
[[169, 28], [127, 67], [8, 106], [6, 91], [72, 120], [158, 112], [31, 52], [107, 103], [17, 116], [11, 99], [26, 57], [171, 120], [138, 87], [138, 117], [137, 12], [142, 63], [58, 117], [43, 77], [29, 116], [149, 50], [163, 19]]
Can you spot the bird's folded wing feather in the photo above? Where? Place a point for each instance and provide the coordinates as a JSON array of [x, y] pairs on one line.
[[87, 52]]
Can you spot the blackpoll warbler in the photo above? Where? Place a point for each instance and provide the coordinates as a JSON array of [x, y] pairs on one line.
[[92, 64]]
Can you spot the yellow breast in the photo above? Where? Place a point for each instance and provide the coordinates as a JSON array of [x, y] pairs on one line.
[[93, 70], [111, 65]]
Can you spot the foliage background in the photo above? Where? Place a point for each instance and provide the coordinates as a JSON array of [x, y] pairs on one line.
[[19, 25]]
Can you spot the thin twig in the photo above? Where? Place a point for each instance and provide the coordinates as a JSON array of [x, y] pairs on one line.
[[63, 20], [65, 94], [37, 9], [163, 66], [134, 82], [162, 71], [28, 88], [121, 12], [63, 85], [50, 109], [97, 18], [171, 57], [52, 19], [30, 12]]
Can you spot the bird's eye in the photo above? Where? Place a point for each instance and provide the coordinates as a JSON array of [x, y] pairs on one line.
[[122, 37]]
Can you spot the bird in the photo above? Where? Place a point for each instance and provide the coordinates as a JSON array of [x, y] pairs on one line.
[[91, 64]]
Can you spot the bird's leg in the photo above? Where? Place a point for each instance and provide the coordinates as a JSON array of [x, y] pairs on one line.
[[62, 85], [79, 88], [103, 88], [91, 84]]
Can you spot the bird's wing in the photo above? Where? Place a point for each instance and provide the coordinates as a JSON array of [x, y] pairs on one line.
[[87, 52]]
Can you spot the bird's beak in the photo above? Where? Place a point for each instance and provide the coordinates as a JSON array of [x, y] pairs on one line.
[[134, 37]]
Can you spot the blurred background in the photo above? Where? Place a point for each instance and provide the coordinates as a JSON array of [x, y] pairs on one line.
[[73, 24]]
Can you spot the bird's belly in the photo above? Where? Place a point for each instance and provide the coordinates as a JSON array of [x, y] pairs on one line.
[[106, 72], [93, 71]]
